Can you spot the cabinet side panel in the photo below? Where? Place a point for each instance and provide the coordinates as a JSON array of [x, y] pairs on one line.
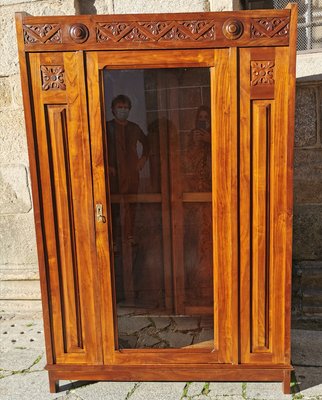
[[46, 207], [279, 200], [263, 202], [290, 151], [66, 197]]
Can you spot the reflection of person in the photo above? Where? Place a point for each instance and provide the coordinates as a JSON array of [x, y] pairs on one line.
[[123, 137], [202, 124], [198, 163], [198, 179], [124, 167]]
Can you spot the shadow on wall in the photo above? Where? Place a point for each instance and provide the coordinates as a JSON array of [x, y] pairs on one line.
[[85, 7], [311, 78], [307, 361]]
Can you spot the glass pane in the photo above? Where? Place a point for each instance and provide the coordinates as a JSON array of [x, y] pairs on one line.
[[159, 172]]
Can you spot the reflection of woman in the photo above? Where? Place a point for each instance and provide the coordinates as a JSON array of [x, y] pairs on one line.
[[124, 168], [123, 136], [198, 165], [199, 234]]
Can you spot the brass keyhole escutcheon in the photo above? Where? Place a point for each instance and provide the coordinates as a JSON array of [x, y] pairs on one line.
[[99, 213]]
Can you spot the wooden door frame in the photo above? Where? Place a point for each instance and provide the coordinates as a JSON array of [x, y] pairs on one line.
[[223, 66]]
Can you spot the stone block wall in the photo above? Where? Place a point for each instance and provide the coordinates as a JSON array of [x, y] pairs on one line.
[[307, 227], [19, 278], [19, 285]]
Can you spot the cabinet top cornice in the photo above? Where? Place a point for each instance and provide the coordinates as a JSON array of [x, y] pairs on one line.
[[159, 31]]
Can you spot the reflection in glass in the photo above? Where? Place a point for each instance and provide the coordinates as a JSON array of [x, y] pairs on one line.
[[159, 172]]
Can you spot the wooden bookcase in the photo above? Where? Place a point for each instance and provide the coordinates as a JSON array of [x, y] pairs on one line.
[[198, 227]]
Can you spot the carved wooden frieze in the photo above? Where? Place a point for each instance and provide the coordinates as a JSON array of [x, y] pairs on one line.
[[155, 31], [42, 33], [269, 27], [53, 77], [262, 73], [207, 30]]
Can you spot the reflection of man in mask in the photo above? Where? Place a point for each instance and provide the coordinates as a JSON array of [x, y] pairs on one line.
[[123, 137]]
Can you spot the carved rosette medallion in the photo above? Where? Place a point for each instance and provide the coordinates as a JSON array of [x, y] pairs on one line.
[[42, 33], [233, 29], [155, 31], [262, 73], [78, 33], [53, 77], [269, 27]]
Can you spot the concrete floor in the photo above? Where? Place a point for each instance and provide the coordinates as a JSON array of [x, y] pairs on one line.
[[23, 377]]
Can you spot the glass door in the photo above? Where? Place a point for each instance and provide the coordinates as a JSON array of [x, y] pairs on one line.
[[162, 273], [158, 132]]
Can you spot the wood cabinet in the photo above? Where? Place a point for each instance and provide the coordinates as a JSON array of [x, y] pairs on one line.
[[161, 157]]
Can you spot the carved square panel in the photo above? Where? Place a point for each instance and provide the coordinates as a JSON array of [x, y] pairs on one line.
[[262, 80], [262, 73], [53, 77]]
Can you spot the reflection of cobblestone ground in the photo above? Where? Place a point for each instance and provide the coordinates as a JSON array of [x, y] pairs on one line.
[[143, 331]]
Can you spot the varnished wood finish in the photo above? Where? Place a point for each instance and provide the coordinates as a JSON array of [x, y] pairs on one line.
[[290, 145], [224, 202], [62, 140], [160, 31], [100, 190], [197, 372], [263, 209], [251, 56], [224, 64]]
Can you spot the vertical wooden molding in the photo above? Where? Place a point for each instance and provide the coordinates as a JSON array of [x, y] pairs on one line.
[[103, 232], [80, 172], [224, 202], [290, 146]]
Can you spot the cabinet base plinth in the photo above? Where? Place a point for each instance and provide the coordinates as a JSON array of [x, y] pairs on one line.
[[171, 373]]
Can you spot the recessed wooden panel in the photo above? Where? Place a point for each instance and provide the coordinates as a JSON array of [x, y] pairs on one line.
[[65, 232], [260, 229]]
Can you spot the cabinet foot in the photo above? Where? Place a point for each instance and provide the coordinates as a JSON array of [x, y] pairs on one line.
[[53, 384], [287, 382]]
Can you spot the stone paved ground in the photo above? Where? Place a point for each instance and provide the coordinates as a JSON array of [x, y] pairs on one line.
[[22, 374]]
